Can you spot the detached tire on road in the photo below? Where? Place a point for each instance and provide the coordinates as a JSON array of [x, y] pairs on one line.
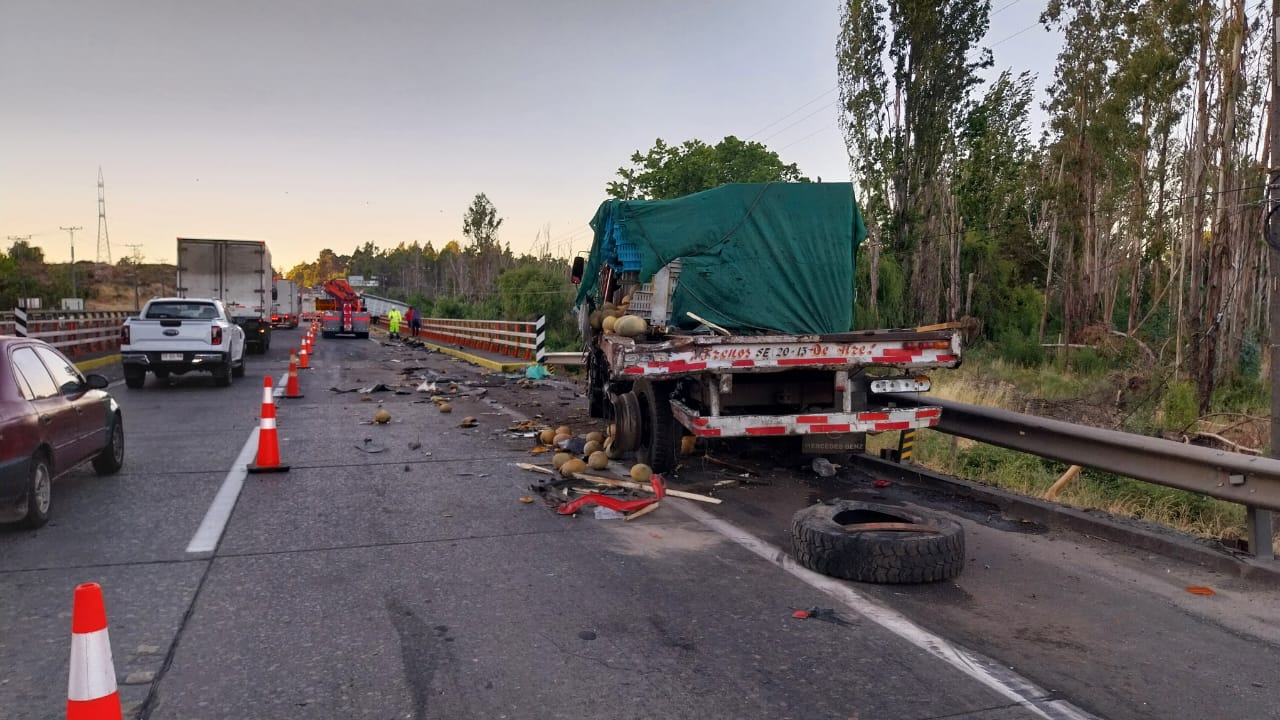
[[822, 544]]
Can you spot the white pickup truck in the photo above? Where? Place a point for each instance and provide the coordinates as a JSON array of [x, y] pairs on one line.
[[174, 336]]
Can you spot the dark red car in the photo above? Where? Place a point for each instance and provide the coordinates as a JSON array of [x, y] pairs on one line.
[[52, 418]]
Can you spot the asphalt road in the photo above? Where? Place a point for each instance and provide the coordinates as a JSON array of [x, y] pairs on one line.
[[377, 579]]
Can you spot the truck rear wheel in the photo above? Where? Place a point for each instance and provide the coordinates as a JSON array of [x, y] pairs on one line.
[[134, 377], [659, 445], [222, 376]]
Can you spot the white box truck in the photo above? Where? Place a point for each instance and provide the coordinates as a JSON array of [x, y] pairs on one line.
[[237, 272], [288, 304]]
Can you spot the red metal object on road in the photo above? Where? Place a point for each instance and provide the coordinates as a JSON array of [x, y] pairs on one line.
[[613, 503]]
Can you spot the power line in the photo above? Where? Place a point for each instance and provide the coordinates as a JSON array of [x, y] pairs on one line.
[[1025, 29], [806, 117], [806, 137], [793, 112], [1004, 7]]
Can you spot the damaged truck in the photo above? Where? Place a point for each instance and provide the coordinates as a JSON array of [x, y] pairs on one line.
[[729, 313]]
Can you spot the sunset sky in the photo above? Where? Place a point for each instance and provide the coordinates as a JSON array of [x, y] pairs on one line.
[[314, 124]]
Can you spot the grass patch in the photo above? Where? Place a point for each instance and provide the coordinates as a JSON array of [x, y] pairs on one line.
[[993, 381]]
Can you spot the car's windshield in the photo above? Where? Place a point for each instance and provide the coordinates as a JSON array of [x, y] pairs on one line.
[[182, 310]]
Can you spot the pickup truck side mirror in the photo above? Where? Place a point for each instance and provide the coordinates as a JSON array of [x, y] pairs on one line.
[[579, 265]]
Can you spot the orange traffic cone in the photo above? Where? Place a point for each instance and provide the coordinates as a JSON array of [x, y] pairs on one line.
[[292, 390], [268, 444], [302, 358], [91, 684]]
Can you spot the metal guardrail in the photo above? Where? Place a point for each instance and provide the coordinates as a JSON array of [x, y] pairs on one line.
[[1251, 481], [74, 333], [506, 337]]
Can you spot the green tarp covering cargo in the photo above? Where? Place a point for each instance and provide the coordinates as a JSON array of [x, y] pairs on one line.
[[752, 257]]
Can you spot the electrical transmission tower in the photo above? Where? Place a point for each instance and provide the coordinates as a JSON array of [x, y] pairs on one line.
[[104, 239]]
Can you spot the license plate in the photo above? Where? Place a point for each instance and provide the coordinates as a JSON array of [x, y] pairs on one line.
[[170, 357], [833, 442]]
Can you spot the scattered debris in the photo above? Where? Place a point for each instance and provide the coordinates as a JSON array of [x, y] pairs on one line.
[[427, 387], [727, 464], [641, 472], [339, 390], [382, 417], [445, 407], [644, 510], [526, 499], [1200, 590], [379, 387], [604, 513], [881, 483], [824, 468], [371, 449], [468, 422], [823, 614], [414, 444], [536, 372]]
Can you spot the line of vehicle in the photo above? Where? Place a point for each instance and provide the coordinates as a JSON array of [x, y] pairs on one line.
[[1021, 691]]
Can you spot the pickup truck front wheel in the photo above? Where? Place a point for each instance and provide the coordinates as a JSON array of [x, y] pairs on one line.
[[134, 377]]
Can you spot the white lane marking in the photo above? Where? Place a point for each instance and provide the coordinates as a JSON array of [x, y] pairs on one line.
[[1016, 688], [281, 385], [215, 519]]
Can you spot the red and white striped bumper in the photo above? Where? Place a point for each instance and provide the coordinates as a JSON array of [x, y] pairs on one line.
[[764, 425]]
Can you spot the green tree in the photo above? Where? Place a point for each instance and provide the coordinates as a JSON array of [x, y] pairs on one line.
[[906, 68], [670, 171]]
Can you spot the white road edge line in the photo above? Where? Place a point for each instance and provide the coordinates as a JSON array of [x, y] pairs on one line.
[[281, 385], [215, 519], [1002, 680]]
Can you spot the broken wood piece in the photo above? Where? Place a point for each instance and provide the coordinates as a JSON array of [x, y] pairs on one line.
[[631, 484], [536, 468], [728, 464], [891, 527], [642, 511], [709, 324], [1061, 482], [939, 326]]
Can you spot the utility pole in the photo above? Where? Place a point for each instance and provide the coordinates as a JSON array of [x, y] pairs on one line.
[[1259, 521], [137, 260], [72, 231]]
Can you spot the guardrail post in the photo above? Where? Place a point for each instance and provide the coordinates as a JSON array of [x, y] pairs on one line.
[[1259, 533], [20, 321], [541, 343]]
